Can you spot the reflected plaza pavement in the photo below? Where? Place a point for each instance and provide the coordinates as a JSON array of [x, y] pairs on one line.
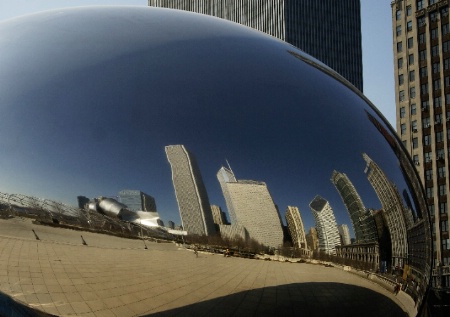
[[112, 276]]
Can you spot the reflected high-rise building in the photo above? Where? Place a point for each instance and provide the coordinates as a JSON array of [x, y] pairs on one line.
[[329, 30], [218, 215], [252, 207], [392, 207], [190, 192], [295, 226], [136, 200], [326, 225], [312, 240], [362, 221], [344, 232]]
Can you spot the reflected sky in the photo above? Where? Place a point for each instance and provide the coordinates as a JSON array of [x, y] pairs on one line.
[[88, 106]]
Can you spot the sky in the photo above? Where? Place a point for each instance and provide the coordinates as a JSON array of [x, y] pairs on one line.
[[377, 63]]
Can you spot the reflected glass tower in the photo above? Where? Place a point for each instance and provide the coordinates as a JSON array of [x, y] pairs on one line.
[[190, 192], [362, 221], [295, 226], [329, 30], [252, 207], [326, 225], [136, 200], [345, 234], [392, 207]]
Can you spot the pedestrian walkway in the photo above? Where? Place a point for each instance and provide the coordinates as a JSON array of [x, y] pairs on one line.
[[111, 276]]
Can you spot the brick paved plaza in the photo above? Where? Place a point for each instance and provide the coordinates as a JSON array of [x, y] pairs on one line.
[[112, 276]]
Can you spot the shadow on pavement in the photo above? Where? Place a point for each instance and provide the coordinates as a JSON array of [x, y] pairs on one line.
[[305, 299], [9, 307]]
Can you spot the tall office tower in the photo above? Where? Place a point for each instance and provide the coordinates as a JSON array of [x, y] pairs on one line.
[[345, 234], [312, 239], [393, 210], [326, 225], [192, 198], [136, 200], [363, 223], [422, 70], [253, 208], [225, 175], [329, 30], [295, 226], [218, 215]]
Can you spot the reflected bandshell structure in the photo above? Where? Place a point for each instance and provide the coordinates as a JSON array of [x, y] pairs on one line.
[[91, 97]]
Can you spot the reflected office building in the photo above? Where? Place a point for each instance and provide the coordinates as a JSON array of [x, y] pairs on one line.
[[327, 230], [136, 200], [190, 192], [295, 227], [251, 206]]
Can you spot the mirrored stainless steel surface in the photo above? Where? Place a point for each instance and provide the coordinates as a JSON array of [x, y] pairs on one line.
[[196, 111]]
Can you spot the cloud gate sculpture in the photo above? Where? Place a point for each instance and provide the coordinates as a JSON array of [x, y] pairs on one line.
[[209, 117]]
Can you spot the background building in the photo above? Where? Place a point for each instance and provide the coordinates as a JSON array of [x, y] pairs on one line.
[[312, 239], [295, 226], [422, 70], [219, 216], [136, 200], [326, 225], [329, 30], [345, 234], [253, 208], [190, 192]]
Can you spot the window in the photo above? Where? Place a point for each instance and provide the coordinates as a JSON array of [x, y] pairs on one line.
[[422, 38], [442, 190], [447, 99], [431, 210], [444, 11], [409, 26], [436, 84], [408, 10], [427, 139], [437, 102], [433, 228], [411, 59], [447, 81], [444, 225], [400, 63], [433, 15], [412, 75], [445, 29], [443, 207], [438, 118], [423, 71], [430, 192], [439, 136], [435, 50], [440, 154], [402, 112], [446, 46], [434, 34], [448, 134], [402, 129], [421, 21], [447, 63], [414, 126], [419, 6], [412, 92], [428, 158], [398, 14], [410, 42], [416, 159], [441, 172], [400, 79], [399, 47], [445, 242], [413, 106], [398, 30], [436, 67], [424, 89], [401, 96], [429, 175], [415, 143], [426, 122], [422, 54]]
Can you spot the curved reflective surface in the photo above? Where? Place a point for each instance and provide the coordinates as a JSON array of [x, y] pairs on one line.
[[229, 133]]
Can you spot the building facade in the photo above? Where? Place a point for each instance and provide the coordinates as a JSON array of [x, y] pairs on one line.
[[421, 45], [344, 232], [190, 191], [219, 217], [312, 239], [295, 227], [253, 208], [328, 30], [136, 200], [326, 226]]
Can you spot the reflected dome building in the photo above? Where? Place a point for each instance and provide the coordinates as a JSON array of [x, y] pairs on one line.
[[88, 80]]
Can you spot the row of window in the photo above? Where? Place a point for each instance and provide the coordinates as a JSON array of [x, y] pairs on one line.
[[442, 209], [442, 191]]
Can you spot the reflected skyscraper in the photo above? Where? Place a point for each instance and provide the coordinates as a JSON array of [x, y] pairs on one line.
[[329, 30], [344, 233], [295, 226], [326, 225], [252, 207], [393, 209], [362, 221], [218, 215], [190, 192]]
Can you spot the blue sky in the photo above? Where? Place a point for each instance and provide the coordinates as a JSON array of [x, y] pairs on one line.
[[378, 87], [376, 37]]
